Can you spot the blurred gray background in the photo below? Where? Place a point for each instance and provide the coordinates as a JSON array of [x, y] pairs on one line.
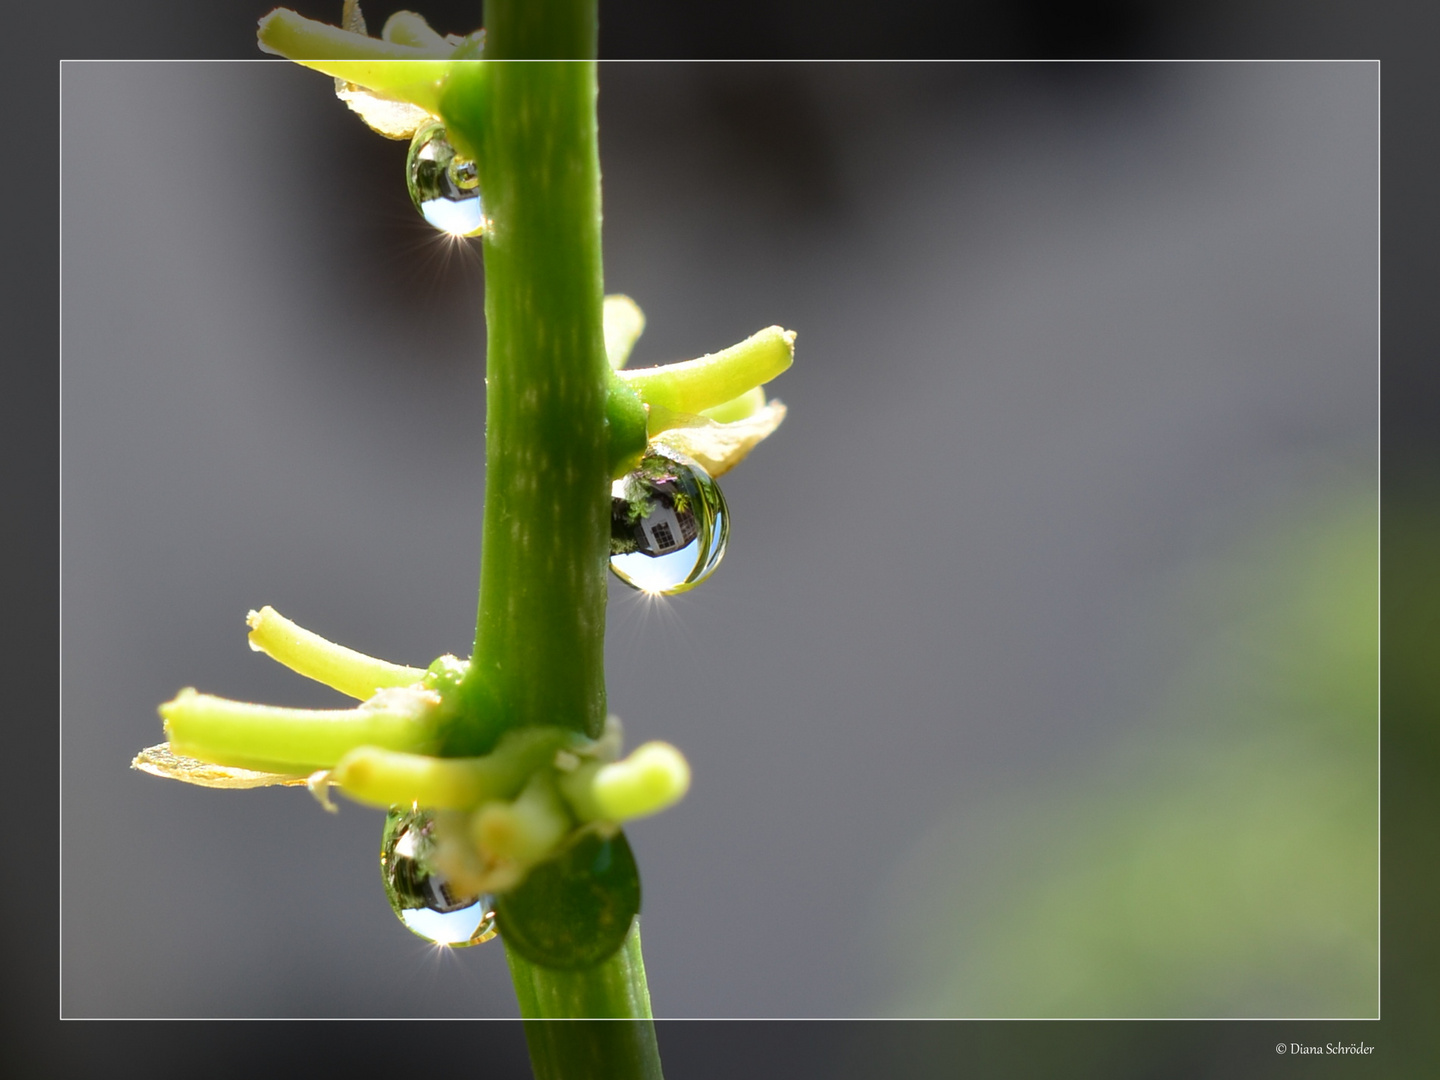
[[1069, 335]]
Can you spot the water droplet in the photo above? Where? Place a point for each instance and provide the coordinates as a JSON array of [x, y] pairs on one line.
[[421, 897], [668, 524], [444, 187], [575, 910]]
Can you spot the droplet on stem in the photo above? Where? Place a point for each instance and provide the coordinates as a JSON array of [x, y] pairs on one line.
[[668, 524], [421, 897], [444, 187]]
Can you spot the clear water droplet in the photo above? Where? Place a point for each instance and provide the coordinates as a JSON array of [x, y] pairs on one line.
[[668, 524], [444, 187], [422, 897]]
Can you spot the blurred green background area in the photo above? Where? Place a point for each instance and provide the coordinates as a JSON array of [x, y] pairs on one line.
[[1410, 763], [1221, 859]]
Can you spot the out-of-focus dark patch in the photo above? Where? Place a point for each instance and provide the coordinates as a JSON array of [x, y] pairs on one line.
[[378, 258], [904, 29], [1099, 29], [772, 135]]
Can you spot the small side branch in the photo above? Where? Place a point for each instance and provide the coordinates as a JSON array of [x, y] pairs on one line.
[[274, 739], [303, 651], [695, 385]]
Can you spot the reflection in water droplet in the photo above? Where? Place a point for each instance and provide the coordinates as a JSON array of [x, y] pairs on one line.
[[668, 524], [421, 897], [463, 174], [445, 188]]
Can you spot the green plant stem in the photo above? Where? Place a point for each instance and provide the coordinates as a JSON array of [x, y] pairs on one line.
[[570, 1049], [536, 30], [615, 989], [540, 628]]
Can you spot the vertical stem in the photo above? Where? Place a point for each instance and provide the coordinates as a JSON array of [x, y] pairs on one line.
[[621, 1047], [615, 988], [541, 29], [540, 629], [569, 1049]]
